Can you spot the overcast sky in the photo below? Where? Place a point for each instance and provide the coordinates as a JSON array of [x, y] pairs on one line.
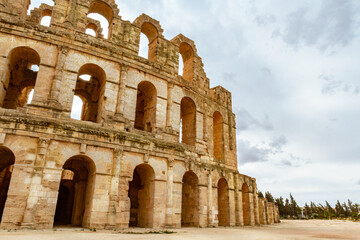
[[294, 72]]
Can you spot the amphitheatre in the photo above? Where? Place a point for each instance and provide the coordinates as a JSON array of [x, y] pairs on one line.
[[152, 149]]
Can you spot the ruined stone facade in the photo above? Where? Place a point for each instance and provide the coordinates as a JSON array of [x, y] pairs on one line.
[[152, 148]]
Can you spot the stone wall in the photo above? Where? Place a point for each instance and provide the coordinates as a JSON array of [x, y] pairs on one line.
[[123, 163]]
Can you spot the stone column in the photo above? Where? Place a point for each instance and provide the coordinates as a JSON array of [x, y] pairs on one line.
[[252, 209], [53, 100], [169, 202], [210, 200], [170, 88], [238, 202], [36, 189], [121, 94], [114, 188]]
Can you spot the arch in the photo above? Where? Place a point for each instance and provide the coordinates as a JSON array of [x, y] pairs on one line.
[[188, 121], [106, 12], [20, 74], [218, 136], [141, 194], [190, 200], [246, 204], [223, 203], [45, 19], [91, 91], [7, 160], [187, 54], [75, 192], [151, 33], [91, 29], [145, 116]]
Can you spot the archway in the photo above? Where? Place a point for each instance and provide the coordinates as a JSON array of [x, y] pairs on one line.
[[7, 160], [218, 136], [141, 194], [223, 203], [75, 192], [90, 87], [190, 200], [187, 54], [150, 31], [188, 121], [103, 13], [20, 77], [246, 204], [145, 116]]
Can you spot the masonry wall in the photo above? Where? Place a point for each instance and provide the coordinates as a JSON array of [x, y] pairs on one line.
[[108, 156]]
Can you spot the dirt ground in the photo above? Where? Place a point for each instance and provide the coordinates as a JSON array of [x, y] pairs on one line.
[[288, 229]]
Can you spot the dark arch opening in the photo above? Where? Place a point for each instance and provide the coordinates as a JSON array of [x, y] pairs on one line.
[[75, 192], [7, 160], [190, 200], [218, 136], [188, 121], [246, 204], [223, 203], [141, 194], [145, 116]]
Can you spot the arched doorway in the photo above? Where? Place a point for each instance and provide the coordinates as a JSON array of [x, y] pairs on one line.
[[7, 160], [190, 200], [223, 202], [75, 192], [141, 194], [246, 204]]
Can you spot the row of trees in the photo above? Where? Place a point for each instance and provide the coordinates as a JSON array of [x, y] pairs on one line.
[[289, 208]]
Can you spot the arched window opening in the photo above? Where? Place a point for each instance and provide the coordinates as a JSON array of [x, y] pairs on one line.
[[187, 54], [90, 88], [144, 46], [150, 33], [141, 194], [77, 108], [223, 203], [90, 32], [246, 204], [181, 66], [45, 21], [218, 136], [46, 18], [20, 77], [190, 200], [188, 121], [145, 116], [75, 192], [7, 160], [103, 13]]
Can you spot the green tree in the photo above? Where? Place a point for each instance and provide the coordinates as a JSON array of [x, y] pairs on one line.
[[269, 197]]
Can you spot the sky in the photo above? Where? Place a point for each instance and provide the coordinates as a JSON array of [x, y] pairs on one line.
[[294, 72]]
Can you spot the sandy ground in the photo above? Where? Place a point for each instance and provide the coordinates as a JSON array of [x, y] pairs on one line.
[[311, 229]]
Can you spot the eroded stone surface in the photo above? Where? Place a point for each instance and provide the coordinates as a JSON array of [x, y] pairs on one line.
[[152, 148]]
